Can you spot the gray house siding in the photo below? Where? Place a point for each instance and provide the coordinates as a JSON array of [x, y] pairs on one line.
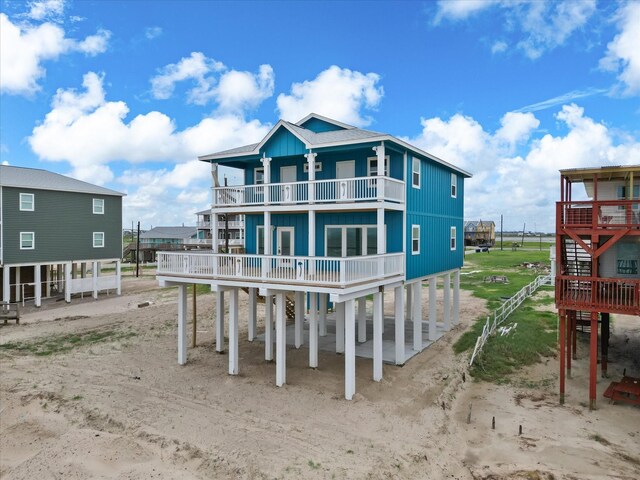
[[63, 224]]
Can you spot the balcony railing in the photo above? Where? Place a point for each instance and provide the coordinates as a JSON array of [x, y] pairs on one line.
[[361, 189], [618, 295], [319, 271], [606, 214]]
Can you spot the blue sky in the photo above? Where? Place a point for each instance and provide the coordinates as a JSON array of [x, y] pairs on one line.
[[126, 94]]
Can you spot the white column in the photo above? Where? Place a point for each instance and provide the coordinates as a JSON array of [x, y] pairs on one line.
[[37, 274], [214, 215], [18, 286], [380, 154], [67, 282], [253, 312], [266, 263], [182, 324], [219, 321], [266, 163], [313, 330], [281, 340], [311, 160], [118, 277], [299, 319], [399, 305], [362, 319], [340, 326], [447, 302], [409, 307], [456, 297], [432, 308], [416, 315], [350, 349], [6, 285], [312, 239], [94, 273], [233, 331], [382, 248], [324, 300], [268, 327], [377, 336]]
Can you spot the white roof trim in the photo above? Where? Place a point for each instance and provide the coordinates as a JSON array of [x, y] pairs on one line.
[[324, 119]]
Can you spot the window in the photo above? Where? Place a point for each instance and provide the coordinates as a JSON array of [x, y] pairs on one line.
[[98, 206], [372, 166], [27, 202], [98, 239], [27, 240], [415, 172], [334, 241], [454, 185], [260, 240], [415, 239], [258, 175], [453, 238], [318, 167], [351, 240], [627, 261], [622, 195]]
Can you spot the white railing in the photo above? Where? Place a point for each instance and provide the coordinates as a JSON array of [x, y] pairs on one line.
[[339, 272], [203, 224], [501, 314], [323, 191], [197, 241]]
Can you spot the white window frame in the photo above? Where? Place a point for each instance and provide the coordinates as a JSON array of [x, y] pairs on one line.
[[305, 167], [255, 175], [98, 211], [94, 240], [264, 240], [33, 202], [22, 241], [454, 185], [415, 161], [387, 166], [453, 241], [413, 250], [343, 228]]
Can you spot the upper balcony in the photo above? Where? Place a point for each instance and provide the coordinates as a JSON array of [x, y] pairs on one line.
[[614, 295], [325, 194], [601, 214]]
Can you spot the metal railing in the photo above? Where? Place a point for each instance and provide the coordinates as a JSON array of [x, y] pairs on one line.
[[500, 314], [322, 271], [318, 191]]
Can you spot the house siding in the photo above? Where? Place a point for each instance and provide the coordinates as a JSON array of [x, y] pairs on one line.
[[63, 223], [316, 125]]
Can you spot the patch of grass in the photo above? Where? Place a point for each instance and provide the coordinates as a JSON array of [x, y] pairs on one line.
[[600, 439], [313, 465], [75, 398], [64, 343]]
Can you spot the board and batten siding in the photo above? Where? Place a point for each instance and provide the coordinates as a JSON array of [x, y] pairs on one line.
[[432, 207], [63, 223]]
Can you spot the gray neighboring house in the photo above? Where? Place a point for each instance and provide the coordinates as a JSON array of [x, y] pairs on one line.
[[50, 225]]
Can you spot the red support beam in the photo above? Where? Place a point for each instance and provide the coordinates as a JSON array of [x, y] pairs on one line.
[[593, 360], [568, 340], [562, 329], [574, 329]]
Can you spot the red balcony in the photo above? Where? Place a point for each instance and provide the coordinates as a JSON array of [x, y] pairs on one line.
[[614, 295], [601, 214]]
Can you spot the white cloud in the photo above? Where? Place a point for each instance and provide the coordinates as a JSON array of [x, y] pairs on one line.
[[23, 49], [152, 32], [460, 9], [46, 9], [232, 90], [515, 172], [499, 47], [337, 93], [89, 132], [623, 53]]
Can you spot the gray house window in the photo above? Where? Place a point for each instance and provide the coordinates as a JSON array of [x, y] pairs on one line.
[[27, 240], [98, 239], [27, 202], [98, 206]]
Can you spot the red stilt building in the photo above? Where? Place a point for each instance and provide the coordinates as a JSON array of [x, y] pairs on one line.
[[598, 258]]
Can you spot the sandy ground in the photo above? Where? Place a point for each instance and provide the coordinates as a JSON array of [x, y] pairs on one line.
[[123, 408]]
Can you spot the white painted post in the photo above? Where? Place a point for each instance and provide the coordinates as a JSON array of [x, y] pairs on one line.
[[266, 262], [312, 239], [409, 306], [233, 331], [94, 273], [324, 300], [6, 285], [399, 324], [417, 315], [381, 248], [348, 308], [281, 340], [299, 319], [18, 286], [311, 160], [268, 327], [253, 313], [220, 321], [67, 282], [182, 324], [313, 330], [432, 308], [456, 297], [118, 277], [37, 279], [266, 163], [340, 326], [362, 319], [447, 302], [377, 336]]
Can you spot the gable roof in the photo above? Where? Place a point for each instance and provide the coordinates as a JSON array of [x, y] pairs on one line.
[[170, 232], [39, 179], [348, 136], [324, 119]]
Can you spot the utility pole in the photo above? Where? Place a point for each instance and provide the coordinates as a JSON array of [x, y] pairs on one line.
[[523, 227], [501, 238], [138, 252]]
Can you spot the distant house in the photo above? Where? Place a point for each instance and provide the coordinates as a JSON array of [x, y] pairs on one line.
[[49, 226], [168, 236], [229, 224], [479, 232]]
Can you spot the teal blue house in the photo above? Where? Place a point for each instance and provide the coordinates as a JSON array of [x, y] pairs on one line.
[[335, 217]]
